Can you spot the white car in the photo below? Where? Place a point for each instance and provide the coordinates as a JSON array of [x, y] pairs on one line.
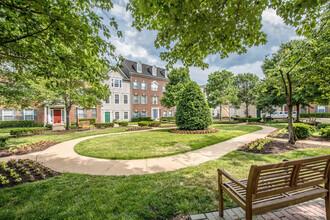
[[282, 114]]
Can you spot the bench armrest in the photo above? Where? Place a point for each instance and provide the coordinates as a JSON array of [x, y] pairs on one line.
[[228, 176]]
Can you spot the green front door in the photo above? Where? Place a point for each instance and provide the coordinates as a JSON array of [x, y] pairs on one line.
[[107, 117], [258, 114]]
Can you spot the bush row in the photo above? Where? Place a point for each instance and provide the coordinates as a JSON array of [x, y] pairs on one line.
[[320, 125], [91, 120], [168, 118], [149, 123], [239, 119], [104, 125], [123, 123], [13, 124], [302, 130], [138, 119], [3, 140], [18, 132], [317, 115], [325, 132]]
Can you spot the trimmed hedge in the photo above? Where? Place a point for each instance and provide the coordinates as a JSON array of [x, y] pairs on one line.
[[143, 123], [322, 125], [3, 141], [302, 130], [168, 118], [92, 121], [18, 132], [254, 119], [154, 124], [17, 124], [325, 132], [104, 125], [123, 123], [242, 119], [138, 119], [317, 115]]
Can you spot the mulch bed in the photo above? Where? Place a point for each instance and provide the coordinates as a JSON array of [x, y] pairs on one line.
[[138, 128], [278, 147], [207, 131], [15, 172], [27, 148]]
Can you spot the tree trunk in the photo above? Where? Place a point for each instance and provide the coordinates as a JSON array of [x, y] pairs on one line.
[[298, 111], [229, 113], [67, 112], [247, 110], [220, 117], [292, 133]]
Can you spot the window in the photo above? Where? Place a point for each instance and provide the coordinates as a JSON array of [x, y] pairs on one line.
[[107, 101], [8, 115], [135, 85], [125, 99], [154, 86], [164, 113], [135, 99], [94, 113], [154, 70], [116, 83], [125, 115], [321, 109], [164, 88], [116, 98], [218, 112], [28, 114], [139, 67], [82, 113], [212, 112], [143, 99], [170, 113], [135, 114], [144, 86], [117, 115], [143, 114], [235, 111], [154, 100]]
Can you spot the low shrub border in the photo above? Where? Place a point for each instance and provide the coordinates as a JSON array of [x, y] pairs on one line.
[[27, 148], [3, 141], [207, 131], [168, 118], [320, 125], [123, 123], [149, 123], [91, 120], [143, 123], [20, 171], [138, 119], [325, 132], [18, 132], [138, 128], [18, 123], [104, 125], [317, 115]]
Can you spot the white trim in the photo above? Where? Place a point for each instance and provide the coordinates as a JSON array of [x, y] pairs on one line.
[[152, 113]]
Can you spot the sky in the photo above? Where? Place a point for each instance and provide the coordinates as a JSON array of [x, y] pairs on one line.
[[139, 46]]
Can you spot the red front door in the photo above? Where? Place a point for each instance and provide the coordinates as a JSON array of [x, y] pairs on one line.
[[57, 116]]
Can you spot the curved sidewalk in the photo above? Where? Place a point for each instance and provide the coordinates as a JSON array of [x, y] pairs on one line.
[[62, 157]]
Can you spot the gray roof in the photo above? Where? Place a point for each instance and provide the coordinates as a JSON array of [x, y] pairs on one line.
[[129, 68]]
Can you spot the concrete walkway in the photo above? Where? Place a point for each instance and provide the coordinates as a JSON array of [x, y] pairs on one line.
[[62, 157]]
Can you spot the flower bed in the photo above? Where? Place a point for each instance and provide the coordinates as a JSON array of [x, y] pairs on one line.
[[27, 148], [138, 128], [257, 144], [20, 171], [207, 131], [279, 133]]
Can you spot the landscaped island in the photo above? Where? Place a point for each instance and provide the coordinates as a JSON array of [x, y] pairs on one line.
[[157, 143]]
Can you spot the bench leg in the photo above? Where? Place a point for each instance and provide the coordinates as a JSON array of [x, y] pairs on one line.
[[220, 195], [327, 206]]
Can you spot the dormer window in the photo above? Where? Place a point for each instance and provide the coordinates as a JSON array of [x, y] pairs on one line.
[[165, 73], [139, 67], [154, 70], [154, 86]]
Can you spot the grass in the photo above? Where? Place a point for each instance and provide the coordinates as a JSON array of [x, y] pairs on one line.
[[156, 196], [156, 143], [278, 125], [62, 137]]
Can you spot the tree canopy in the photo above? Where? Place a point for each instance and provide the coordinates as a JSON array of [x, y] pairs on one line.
[[191, 30]]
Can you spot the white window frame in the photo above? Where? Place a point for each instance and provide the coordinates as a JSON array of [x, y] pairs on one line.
[[170, 113], [25, 114], [125, 101], [143, 114], [135, 85], [137, 100], [154, 86], [116, 83], [94, 109], [80, 112], [154, 70], [139, 67], [154, 100], [6, 112], [164, 88], [125, 115], [117, 118], [117, 94], [164, 113], [135, 113], [322, 108], [145, 99], [108, 101], [145, 86]]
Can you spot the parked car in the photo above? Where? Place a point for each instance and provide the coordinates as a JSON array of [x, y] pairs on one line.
[[282, 114]]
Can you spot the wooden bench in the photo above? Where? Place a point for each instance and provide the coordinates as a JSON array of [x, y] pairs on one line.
[[278, 185], [85, 125], [310, 121]]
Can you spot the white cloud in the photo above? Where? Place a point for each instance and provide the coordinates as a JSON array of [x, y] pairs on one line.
[[274, 49], [119, 11], [254, 68]]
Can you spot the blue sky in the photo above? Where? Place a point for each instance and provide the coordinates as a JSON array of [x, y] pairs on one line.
[[136, 45]]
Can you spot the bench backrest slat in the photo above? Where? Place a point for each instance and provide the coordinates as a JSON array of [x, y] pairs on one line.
[[273, 179]]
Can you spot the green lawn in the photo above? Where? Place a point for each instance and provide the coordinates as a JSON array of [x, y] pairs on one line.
[[278, 125], [156, 143], [156, 196], [63, 137]]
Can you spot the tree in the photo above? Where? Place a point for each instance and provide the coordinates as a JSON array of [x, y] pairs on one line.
[[38, 35], [178, 78], [246, 84], [191, 30], [301, 62], [221, 91], [193, 112]]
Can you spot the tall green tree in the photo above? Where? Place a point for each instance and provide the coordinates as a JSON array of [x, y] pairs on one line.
[[221, 91], [191, 30], [178, 78], [246, 84], [298, 63]]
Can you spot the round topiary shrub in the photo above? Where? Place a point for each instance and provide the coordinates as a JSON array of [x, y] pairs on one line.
[[193, 112]]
